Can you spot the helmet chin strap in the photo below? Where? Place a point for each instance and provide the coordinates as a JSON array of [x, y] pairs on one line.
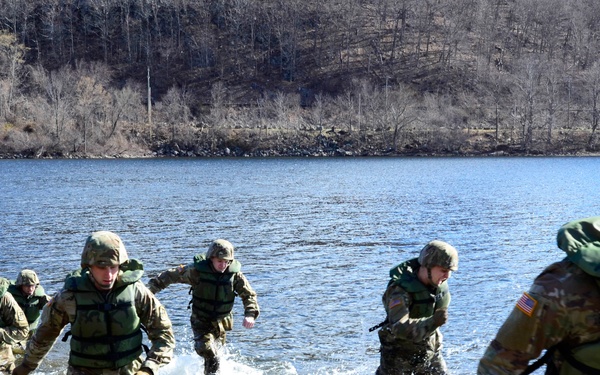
[[429, 275]]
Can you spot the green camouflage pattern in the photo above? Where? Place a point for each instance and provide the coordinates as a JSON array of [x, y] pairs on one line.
[[410, 342], [61, 310], [580, 239], [209, 335], [92, 326], [392, 364], [27, 277], [561, 307], [103, 248], [439, 253], [15, 329], [31, 305], [188, 274], [221, 249]]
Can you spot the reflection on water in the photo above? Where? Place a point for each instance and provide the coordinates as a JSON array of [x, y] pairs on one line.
[[316, 238]]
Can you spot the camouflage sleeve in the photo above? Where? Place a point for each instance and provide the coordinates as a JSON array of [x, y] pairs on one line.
[[397, 302], [55, 315], [154, 317], [16, 326], [538, 321], [44, 300], [180, 274], [247, 294]]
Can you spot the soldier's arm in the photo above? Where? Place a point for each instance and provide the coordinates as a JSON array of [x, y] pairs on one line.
[[539, 323], [44, 300], [54, 317], [180, 274], [400, 323], [16, 328], [247, 294], [154, 317]]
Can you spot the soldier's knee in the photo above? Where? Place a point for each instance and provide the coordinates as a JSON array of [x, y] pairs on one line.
[[204, 348]]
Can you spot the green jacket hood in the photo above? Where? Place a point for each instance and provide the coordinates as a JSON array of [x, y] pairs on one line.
[[580, 239]]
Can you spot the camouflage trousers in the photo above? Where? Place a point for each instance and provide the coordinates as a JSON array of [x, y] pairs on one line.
[[130, 369], [209, 337], [7, 359], [392, 363]]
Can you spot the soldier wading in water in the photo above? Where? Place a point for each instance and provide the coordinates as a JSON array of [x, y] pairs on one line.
[[106, 304], [13, 327], [416, 302], [559, 314], [215, 280], [31, 297]]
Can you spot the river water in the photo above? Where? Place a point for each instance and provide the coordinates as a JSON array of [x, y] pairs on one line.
[[316, 238]]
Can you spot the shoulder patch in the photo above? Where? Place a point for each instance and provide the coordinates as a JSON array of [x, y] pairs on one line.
[[527, 304], [395, 302]]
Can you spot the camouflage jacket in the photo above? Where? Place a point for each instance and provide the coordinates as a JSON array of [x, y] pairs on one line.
[[62, 309], [561, 307], [15, 326], [31, 305], [189, 275], [409, 322], [560, 311]]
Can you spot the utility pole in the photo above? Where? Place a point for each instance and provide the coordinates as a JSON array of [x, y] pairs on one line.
[[149, 99]]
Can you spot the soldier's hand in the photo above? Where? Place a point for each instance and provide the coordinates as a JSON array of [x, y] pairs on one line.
[[248, 322], [144, 371], [22, 370], [440, 317]]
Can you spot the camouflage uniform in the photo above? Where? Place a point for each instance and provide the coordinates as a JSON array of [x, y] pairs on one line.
[[31, 305], [410, 339], [14, 327], [559, 313], [210, 328], [64, 309]]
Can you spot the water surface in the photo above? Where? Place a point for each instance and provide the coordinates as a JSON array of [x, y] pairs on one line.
[[316, 238]]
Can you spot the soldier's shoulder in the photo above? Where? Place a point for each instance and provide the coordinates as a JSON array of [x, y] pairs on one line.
[[564, 276]]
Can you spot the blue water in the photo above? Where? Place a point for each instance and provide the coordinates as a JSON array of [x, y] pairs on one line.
[[316, 238]]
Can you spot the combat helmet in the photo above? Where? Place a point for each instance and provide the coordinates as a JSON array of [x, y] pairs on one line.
[[27, 277], [439, 253], [580, 239], [103, 249], [221, 249]]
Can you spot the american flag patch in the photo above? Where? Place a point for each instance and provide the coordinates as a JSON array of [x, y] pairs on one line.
[[393, 303], [526, 304]]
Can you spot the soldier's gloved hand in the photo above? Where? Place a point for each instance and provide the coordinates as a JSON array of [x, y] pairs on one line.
[[22, 369], [144, 371], [440, 317]]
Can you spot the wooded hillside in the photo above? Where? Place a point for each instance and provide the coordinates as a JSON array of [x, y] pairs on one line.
[[347, 77]]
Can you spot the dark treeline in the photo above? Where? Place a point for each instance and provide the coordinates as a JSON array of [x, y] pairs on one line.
[[327, 77]]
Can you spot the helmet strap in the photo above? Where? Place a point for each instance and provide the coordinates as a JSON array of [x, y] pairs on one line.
[[429, 275]]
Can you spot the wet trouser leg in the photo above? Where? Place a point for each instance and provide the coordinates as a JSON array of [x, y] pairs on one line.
[[207, 342], [7, 359], [392, 363]]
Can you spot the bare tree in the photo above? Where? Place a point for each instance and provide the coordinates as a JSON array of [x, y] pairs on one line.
[[57, 88], [12, 71], [125, 104]]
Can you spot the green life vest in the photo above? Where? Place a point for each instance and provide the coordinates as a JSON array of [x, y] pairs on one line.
[[106, 331], [213, 295], [31, 306], [423, 300]]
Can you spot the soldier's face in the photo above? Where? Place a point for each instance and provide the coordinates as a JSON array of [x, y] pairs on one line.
[[220, 265], [439, 275], [104, 277], [28, 289]]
